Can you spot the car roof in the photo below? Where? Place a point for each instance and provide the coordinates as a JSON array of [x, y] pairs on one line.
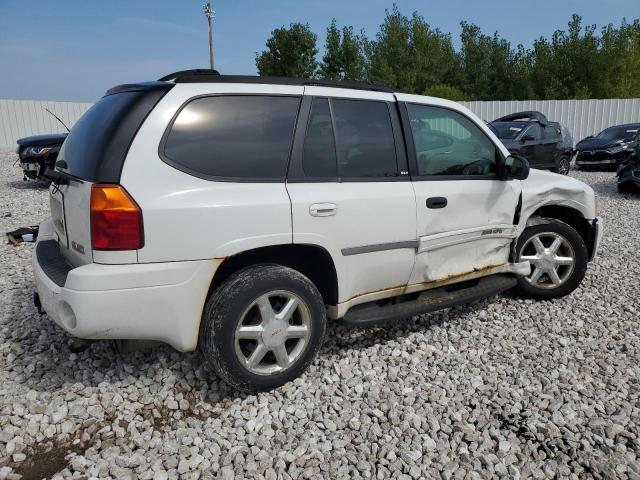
[[212, 76]]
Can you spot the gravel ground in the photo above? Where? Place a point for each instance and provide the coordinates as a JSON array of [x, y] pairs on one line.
[[504, 388]]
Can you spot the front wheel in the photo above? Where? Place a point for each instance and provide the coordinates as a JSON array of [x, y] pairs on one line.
[[563, 166], [262, 327], [558, 258]]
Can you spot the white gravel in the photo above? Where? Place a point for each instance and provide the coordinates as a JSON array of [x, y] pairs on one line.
[[504, 388]]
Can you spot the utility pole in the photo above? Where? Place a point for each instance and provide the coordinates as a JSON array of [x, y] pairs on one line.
[[209, 14]]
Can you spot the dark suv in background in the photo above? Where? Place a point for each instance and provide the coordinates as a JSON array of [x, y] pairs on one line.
[[531, 135]]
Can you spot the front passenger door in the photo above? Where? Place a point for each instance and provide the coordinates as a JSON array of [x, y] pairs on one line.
[[465, 213]]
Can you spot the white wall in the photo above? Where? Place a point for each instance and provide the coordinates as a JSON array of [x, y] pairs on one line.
[[21, 118], [583, 117]]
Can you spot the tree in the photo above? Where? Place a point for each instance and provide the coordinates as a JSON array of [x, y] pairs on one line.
[[291, 52], [409, 54], [344, 57]]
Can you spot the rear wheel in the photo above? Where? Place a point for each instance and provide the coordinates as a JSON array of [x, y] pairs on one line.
[[558, 258], [262, 327]]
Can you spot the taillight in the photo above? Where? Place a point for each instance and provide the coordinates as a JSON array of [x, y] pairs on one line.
[[116, 219]]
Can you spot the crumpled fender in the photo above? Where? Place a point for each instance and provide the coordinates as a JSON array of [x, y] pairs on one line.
[[544, 188]]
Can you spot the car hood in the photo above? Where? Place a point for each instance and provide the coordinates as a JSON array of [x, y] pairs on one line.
[[546, 188], [596, 143], [36, 140]]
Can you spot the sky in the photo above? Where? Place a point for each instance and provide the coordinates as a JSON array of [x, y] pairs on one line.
[[74, 50]]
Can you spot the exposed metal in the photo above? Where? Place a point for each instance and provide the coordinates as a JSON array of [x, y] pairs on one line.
[[273, 332]]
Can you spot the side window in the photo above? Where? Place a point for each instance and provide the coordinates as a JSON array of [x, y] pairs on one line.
[[448, 143], [366, 147], [550, 132], [233, 136], [319, 150], [535, 131]]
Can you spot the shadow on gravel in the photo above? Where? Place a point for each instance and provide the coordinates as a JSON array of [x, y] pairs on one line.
[[608, 188], [28, 185]]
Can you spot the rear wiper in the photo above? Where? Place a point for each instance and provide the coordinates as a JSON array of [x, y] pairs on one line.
[[60, 178]]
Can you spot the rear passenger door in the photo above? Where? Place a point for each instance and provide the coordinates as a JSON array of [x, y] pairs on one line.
[[350, 191]]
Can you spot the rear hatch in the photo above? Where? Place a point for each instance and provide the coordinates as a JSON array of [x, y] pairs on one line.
[[94, 152]]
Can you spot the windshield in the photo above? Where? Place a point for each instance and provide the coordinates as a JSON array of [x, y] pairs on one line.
[[619, 133], [508, 130]]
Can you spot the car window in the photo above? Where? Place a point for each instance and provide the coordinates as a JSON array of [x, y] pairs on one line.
[[448, 143], [366, 147], [534, 130], [233, 136], [319, 150], [551, 132]]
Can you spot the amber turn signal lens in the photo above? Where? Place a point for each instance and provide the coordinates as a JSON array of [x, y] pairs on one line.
[[116, 219]]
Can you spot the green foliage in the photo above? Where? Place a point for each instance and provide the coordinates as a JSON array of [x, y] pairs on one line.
[[410, 55], [344, 55], [291, 52], [443, 90]]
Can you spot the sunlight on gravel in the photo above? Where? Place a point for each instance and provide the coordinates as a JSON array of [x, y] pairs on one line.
[[502, 388]]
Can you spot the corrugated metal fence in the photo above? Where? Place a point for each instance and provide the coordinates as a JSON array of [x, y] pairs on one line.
[[21, 118], [582, 117]]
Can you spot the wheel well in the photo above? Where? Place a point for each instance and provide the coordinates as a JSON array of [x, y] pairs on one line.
[[571, 217], [312, 261]]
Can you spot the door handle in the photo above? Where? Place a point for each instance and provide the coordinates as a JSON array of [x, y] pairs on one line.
[[323, 209], [436, 202]]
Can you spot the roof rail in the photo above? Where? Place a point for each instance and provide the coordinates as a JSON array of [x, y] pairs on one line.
[[185, 73], [212, 76]]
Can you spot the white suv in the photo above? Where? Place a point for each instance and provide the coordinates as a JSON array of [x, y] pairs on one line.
[[238, 213]]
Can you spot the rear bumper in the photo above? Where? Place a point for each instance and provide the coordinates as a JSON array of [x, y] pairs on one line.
[[157, 301]]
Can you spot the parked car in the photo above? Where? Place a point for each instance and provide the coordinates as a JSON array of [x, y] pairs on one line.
[[629, 172], [238, 213], [38, 153], [608, 148], [543, 143]]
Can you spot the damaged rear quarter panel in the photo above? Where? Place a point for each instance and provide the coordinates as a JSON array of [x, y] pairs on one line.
[[543, 188]]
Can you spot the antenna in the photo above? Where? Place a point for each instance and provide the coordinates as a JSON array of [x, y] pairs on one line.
[[57, 118]]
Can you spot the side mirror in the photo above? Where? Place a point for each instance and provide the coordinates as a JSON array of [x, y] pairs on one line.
[[527, 138], [516, 167]]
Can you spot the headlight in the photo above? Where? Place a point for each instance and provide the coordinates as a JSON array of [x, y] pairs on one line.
[[37, 151], [617, 149]]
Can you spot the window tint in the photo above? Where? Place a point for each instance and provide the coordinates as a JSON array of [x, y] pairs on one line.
[[233, 136], [535, 131], [365, 139], [319, 151], [550, 132], [448, 143]]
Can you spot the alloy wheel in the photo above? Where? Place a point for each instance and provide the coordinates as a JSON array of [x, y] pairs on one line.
[[273, 332], [551, 257]]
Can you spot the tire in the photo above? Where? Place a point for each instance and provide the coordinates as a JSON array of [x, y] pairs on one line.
[[241, 302], [623, 188], [563, 166], [571, 245]]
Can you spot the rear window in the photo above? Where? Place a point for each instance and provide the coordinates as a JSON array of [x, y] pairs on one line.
[[233, 137], [96, 148]]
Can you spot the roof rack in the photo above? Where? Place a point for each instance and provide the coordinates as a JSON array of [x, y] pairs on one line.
[[213, 76]]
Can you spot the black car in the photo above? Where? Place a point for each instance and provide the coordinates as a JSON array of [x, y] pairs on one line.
[[609, 148], [38, 153], [629, 172], [531, 135]]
